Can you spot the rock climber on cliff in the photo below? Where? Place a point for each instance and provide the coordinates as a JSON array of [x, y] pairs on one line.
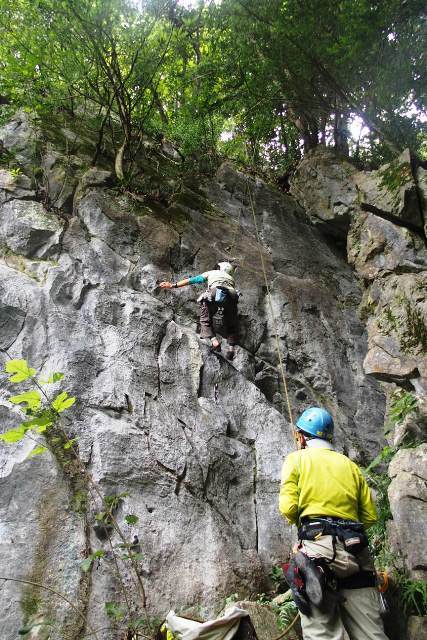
[[221, 292], [332, 574]]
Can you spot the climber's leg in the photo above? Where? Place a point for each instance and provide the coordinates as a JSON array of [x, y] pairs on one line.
[[207, 311], [231, 318], [360, 613]]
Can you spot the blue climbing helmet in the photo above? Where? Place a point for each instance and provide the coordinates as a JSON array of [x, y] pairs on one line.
[[317, 422]]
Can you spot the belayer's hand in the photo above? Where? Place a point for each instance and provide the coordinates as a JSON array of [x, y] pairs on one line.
[[166, 285]]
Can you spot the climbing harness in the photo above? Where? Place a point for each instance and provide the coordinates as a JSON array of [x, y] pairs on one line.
[[351, 534]]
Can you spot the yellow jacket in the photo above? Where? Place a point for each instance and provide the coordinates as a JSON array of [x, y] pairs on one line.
[[322, 482]]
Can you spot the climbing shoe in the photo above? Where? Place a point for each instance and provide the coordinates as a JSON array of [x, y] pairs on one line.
[[313, 577], [295, 581], [230, 352]]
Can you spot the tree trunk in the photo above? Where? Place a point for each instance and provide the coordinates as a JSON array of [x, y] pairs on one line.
[[341, 133], [118, 162]]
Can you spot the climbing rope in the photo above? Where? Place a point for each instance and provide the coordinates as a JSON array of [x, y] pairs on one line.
[[288, 628], [273, 318]]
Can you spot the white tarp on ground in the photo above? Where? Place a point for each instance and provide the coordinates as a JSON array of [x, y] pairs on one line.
[[223, 628]]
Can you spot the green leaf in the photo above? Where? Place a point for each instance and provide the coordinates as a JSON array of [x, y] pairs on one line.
[[55, 377], [114, 611], [13, 435], [131, 519], [41, 422], [100, 516], [135, 556], [62, 402], [70, 443], [20, 370], [85, 565], [36, 451], [31, 398]]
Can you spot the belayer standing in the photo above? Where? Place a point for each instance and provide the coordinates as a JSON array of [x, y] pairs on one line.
[[332, 575], [222, 293]]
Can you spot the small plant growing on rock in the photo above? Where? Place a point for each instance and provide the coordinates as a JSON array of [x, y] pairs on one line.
[[42, 424], [402, 404]]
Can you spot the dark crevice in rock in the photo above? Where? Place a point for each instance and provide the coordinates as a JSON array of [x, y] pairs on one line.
[[158, 346], [386, 215], [178, 477], [109, 409], [255, 480], [129, 403], [84, 293]]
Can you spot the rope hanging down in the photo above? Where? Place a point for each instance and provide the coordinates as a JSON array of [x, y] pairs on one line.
[[270, 304]]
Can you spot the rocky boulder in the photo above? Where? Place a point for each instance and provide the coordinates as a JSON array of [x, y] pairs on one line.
[[408, 496], [392, 191], [397, 335], [324, 186], [28, 230]]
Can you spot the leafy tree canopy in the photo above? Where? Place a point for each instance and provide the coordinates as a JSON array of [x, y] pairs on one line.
[[259, 80]]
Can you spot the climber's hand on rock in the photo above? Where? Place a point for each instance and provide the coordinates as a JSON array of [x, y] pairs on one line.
[[166, 285]]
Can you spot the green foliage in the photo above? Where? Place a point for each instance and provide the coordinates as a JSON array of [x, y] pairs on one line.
[[86, 564], [414, 334], [414, 596], [231, 599], [380, 481], [114, 611], [385, 455], [272, 74], [285, 611], [402, 403], [276, 574], [43, 413], [20, 370], [37, 451], [32, 399], [131, 519], [62, 402]]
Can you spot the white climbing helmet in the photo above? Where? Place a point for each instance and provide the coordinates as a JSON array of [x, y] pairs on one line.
[[227, 267]]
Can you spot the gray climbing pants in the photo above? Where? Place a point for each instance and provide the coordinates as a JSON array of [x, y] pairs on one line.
[[208, 308], [356, 610]]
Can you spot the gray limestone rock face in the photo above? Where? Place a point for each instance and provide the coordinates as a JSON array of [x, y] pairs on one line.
[[265, 621], [421, 178], [323, 185], [391, 190], [61, 175], [20, 136], [408, 496], [377, 247], [28, 230], [397, 336], [14, 186], [417, 628], [195, 442]]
